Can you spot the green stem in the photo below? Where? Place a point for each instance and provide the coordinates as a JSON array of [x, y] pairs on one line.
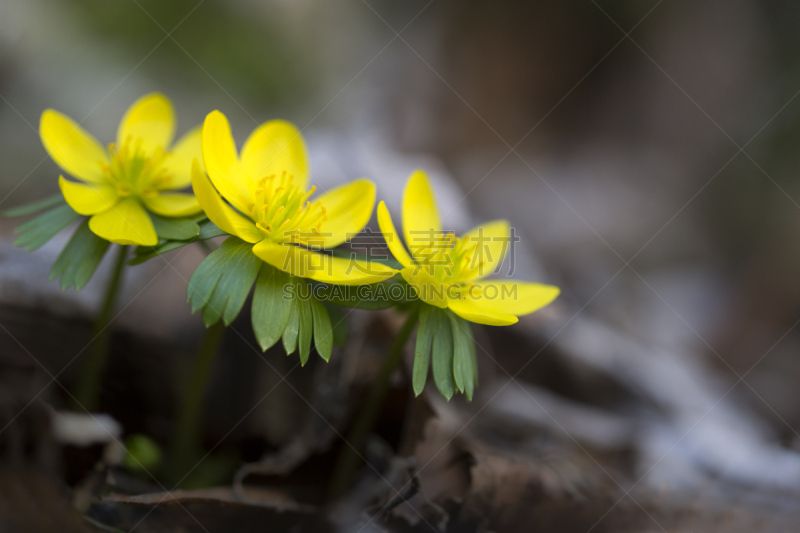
[[351, 453], [186, 439], [88, 392]]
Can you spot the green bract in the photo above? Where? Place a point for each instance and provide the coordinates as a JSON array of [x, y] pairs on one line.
[[79, 259], [447, 339], [178, 229], [221, 283], [284, 307], [43, 227], [168, 239], [81, 256]]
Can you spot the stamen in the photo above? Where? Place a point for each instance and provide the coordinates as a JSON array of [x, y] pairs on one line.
[[133, 172], [285, 210]]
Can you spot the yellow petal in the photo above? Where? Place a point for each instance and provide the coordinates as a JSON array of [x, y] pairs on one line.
[[125, 223], [391, 236], [348, 209], [71, 147], [492, 241], [321, 267], [421, 222], [218, 211], [273, 148], [88, 199], [511, 297], [179, 162], [222, 163], [428, 288], [151, 119], [466, 309], [173, 205]]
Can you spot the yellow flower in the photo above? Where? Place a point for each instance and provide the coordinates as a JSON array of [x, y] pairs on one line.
[[446, 271], [268, 203], [136, 174]]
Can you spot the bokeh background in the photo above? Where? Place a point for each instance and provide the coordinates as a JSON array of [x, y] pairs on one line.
[[645, 151]]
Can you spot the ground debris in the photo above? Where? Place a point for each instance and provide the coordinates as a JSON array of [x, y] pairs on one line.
[[33, 502], [205, 510]]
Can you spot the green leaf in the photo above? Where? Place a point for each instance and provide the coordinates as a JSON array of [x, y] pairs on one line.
[[221, 283], [442, 353], [323, 332], [422, 350], [79, 259], [436, 340], [303, 303], [471, 384], [372, 297], [177, 229], [338, 322], [204, 280], [35, 232], [463, 354], [271, 307], [290, 334], [207, 231], [146, 253], [461, 334], [34, 207]]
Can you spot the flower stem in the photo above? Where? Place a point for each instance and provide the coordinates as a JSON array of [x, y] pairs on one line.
[[351, 453], [186, 439], [88, 391]]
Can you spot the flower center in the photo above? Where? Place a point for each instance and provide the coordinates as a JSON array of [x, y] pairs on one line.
[[444, 266], [447, 258], [283, 213], [134, 172]]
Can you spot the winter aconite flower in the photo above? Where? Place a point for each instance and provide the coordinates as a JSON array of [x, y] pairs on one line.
[[138, 173], [447, 271], [261, 196]]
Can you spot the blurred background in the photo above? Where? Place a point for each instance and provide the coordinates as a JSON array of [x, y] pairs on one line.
[[645, 152]]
